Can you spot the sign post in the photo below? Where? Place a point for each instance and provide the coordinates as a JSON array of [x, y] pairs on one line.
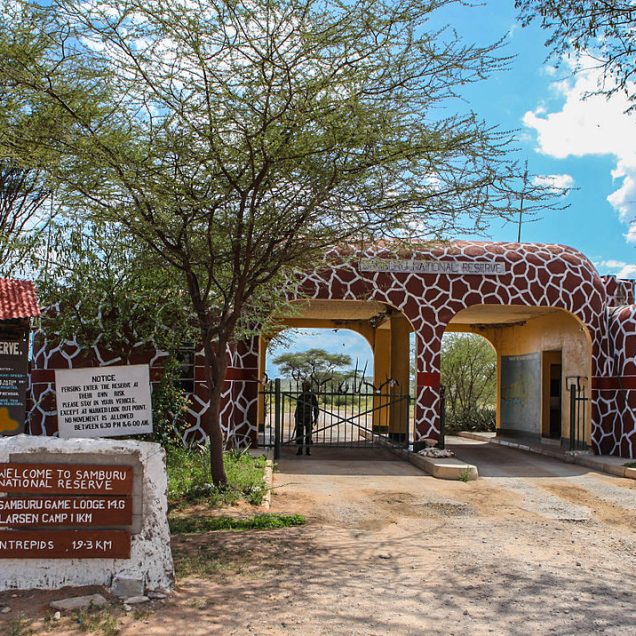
[[60, 498]]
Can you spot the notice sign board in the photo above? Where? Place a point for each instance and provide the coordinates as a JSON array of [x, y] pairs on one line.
[[65, 511], [103, 401], [13, 384]]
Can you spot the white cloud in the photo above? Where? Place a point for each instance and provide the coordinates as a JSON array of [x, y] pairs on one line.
[[588, 127], [622, 269], [555, 181], [628, 271]]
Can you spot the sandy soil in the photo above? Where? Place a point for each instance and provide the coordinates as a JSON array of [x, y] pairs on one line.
[[534, 546]]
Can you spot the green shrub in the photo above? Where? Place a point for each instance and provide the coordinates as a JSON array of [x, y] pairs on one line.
[[478, 419], [169, 406], [189, 477], [265, 521]]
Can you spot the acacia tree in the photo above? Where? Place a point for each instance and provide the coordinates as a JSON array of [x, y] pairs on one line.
[[23, 193], [313, 363], [600, 30], [239, 139]]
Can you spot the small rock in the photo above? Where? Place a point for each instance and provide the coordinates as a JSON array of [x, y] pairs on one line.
[[78, 602], [127, 608], [135, 600], [57, 616], [156, 595], [5, 610], [384, 555], [578, 564], [14, 596], [465, 612], [125, 587]]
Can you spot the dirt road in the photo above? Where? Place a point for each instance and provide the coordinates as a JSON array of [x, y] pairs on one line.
[[534, 546]]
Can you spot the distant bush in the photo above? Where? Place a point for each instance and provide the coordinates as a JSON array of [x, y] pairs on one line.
[[478, 419]]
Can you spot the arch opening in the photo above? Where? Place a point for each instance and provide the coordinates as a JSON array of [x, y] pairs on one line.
[[361, 403], [544, 370]]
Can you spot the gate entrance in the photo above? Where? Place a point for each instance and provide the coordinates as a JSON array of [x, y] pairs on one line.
[[343, 415]]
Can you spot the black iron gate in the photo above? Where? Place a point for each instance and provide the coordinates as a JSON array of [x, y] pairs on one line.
[[578, 415], [349, 415]]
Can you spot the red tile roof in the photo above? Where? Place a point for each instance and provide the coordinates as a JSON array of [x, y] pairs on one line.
[[17, 299]]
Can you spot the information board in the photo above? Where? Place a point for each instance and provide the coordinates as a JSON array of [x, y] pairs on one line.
[[96, 499], [103, 401], [13, 384]]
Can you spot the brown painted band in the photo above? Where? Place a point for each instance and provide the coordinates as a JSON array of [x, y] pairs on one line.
[[625, 383], [428, 379], [241, 374]]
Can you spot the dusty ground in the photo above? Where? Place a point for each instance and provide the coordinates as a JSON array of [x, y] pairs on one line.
[[534, 546]]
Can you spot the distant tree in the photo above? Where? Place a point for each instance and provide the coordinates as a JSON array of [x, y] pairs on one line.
[[469, 375], [315, 364], [602, 30]]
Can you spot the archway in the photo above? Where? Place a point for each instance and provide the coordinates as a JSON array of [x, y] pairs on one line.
[[369, 402], [544, 370]]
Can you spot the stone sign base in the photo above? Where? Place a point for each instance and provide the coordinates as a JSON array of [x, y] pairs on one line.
[[150, 558]]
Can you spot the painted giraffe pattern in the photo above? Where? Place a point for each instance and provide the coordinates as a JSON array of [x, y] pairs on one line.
[[537, 275]]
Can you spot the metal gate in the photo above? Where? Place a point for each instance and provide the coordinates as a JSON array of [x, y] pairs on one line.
[[348, 415]]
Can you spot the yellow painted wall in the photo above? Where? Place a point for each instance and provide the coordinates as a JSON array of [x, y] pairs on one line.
[[557, 331]]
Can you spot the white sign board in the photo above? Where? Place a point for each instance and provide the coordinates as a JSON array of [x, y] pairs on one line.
[[454, 268], [103, 401]]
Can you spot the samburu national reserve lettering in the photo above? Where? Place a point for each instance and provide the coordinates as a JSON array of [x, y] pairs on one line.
[[65, 478], [458, 268]]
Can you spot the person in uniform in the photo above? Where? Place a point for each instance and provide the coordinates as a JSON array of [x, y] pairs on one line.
[[305, 415]]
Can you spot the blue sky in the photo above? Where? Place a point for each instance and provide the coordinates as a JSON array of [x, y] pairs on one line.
[[589, 144]]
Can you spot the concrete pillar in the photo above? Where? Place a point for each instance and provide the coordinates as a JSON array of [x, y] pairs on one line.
[[399, 371], [381, 372]]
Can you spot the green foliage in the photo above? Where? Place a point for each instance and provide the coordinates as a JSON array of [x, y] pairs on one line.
[[478, 419], [23, 194], [19, 626], [111, 292], [469, 376], [601, 34], [265, 521], [97, 620], [169, 406], [188, 478]]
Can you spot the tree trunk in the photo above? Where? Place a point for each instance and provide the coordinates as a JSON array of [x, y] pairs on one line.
[[215, 368]]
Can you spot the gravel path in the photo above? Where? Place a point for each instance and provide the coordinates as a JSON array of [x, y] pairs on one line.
[[535, 546]]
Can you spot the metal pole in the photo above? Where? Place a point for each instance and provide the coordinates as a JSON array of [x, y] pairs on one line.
[[277, 418], [572, 416], [442, 418]]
